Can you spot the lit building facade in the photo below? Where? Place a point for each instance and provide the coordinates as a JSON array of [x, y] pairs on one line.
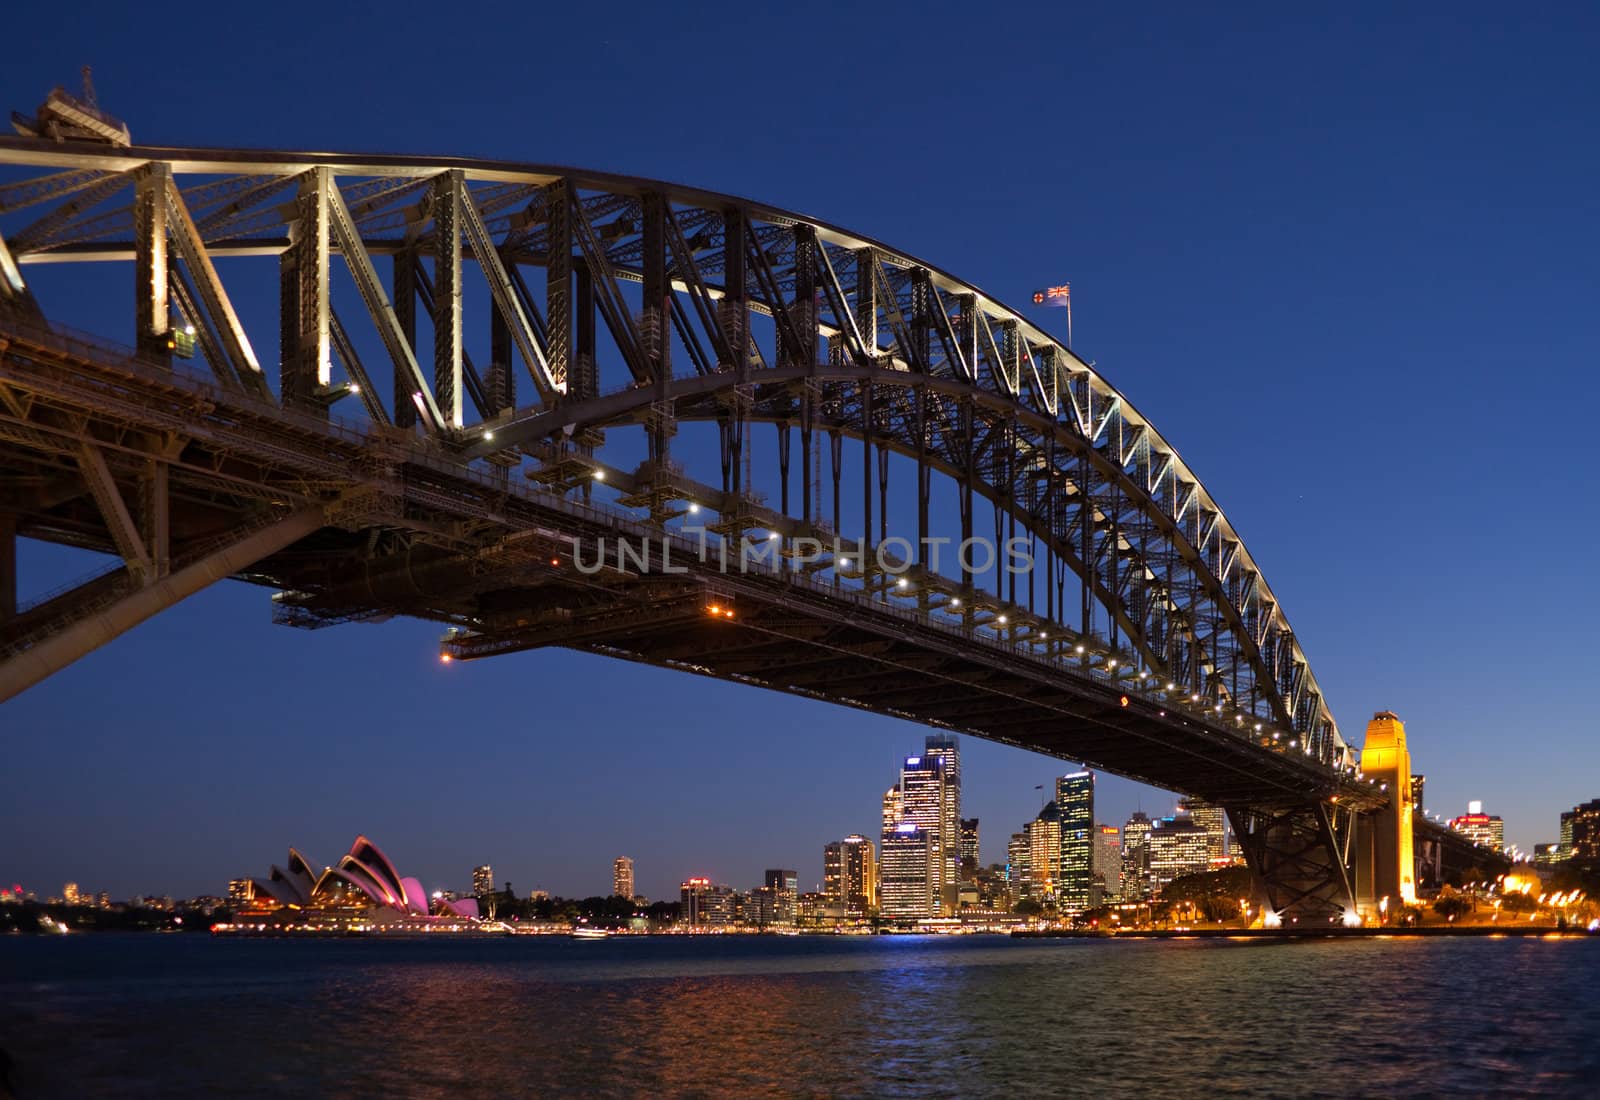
[[1044, 854], [1107, 865], [1177, 846], [908, 880], [1214, 820], [1075, 803], [622, 877], [1481, 828], [1018, 853], [785, 889], [482, 880], [1581, 832], [970, 856], [1136, 857], [945, 748], [850, 875], [706, 904]]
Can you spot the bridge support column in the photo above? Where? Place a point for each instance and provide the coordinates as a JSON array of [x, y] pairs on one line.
[[1388, 870], [26, 665], [1300, 856]]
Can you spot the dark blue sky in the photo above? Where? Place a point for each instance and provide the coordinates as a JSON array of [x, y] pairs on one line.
[[1345, 262]]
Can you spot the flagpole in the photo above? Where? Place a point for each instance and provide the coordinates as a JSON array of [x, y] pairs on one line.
[[1069, 320]]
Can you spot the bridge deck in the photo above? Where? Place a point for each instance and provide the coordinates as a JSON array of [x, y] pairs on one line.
[[413, 530]]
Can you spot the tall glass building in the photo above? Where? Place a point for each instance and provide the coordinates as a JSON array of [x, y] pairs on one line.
[[1075, 803], [1136, 857], [908, 882]]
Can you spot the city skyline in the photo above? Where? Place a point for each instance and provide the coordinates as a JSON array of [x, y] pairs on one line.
[[1204, 246]]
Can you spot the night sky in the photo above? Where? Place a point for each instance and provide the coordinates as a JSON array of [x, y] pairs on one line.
[[1346, 264]]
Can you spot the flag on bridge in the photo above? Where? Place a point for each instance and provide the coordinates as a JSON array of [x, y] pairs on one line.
[[1053, 295]]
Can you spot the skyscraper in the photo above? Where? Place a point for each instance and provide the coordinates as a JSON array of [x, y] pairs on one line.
[[850, 875], [970, 856], [1210, 817], [892, 809], [622, 877], [1580, 830], [1136, 857], [1107, 864], [1177, 846], [1043, 835], [785, 888], [946, 748], [1481, 828], [908, 881], [482, 881], [929, 799], [1018, 853], [1075, 800]]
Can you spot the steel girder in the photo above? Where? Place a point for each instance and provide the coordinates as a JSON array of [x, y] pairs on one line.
[[917, 362]]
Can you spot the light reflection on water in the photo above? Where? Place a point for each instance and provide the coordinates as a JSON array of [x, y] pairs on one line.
[[967, 1016]]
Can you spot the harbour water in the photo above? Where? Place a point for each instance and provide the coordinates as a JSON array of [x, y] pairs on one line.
[[182, 1015]]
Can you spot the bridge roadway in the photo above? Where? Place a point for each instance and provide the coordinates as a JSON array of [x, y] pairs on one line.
[[478, 552]]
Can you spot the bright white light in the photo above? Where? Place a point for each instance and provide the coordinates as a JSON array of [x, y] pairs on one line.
[[487, 434], [693, 508], [901, 583], [1352, 919], [955, 603], [1270, 919], [844, 563], [599, 475], [774, 536], [1002, 620], [1080, 649], [1171, 687]]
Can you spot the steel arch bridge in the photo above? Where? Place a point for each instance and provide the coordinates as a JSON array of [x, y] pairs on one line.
[[484, 376]]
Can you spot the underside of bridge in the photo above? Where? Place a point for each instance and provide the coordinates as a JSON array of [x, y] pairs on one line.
[[1143, 640]]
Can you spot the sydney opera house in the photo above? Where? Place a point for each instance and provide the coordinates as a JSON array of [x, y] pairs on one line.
[[363, 887]]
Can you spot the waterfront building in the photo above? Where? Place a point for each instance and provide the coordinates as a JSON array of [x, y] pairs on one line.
[[705, 904], [622, 877], [363, 886], [1481, 828], [482, 880], [1177, 846], [969, 846], [946, 749], [1018, 852], [1583, 827], [1136, 857], [785, 889], [908, 880], [810, 908], [238, 889], [69, 893], [1075, 803], [850, 875], [1214, 820], [1044, 853], [1107, 861]]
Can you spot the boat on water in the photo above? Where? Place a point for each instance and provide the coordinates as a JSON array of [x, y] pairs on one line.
[[586, 933]]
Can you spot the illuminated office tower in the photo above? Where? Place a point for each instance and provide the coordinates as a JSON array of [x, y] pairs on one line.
[[1481, 828], [908, 878], [1136, 857], [970, 854], [1043, 835], [927, 798], [785, 889], [1075, 802], [892, 809], [622, 877], [946, 749], [850, 875], [833, 888], [1107, 863], [1210, 817], [1018, 856], [482, 881], [1581, 831], [1178, 846], [69, 893]]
